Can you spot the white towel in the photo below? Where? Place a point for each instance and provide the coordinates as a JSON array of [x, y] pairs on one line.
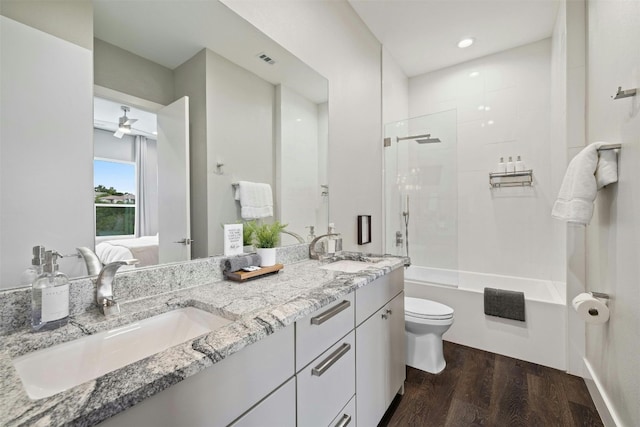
[[579, 186], [607, 169], [256, 200]]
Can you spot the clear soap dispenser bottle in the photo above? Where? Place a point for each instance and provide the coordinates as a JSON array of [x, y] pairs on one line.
[[50, 296], [35, 269]]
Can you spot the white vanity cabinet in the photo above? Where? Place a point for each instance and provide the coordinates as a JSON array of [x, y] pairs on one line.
[[276, 410], [380, 356], [325, 362], [222, 393], [340, 366]]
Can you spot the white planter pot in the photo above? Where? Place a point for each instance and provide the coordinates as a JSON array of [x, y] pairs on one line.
[[267, 256]]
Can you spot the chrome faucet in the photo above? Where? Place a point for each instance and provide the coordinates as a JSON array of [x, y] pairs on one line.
[[104, 287], [91, 260], [313, 254], [298, 237]]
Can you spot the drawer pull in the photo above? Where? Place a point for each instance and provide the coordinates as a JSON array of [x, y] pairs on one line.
[[321, 318], [329, 361], [344, 421]]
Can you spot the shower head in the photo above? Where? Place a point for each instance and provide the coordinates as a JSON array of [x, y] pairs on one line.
[[420, 139], [428, 140]]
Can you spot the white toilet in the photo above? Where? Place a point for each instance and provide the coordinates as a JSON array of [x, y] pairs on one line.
[[425, 322]]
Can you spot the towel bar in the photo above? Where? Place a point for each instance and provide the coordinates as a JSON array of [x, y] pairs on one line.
[[610, 147]]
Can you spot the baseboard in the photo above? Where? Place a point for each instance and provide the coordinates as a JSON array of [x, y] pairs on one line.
[[600, 398]]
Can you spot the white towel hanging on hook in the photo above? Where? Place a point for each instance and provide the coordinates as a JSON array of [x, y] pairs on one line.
[[590, 170]]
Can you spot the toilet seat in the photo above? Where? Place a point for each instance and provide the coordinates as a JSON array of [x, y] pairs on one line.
[[419, 308]]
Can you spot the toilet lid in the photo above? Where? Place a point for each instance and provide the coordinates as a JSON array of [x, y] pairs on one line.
[[426, 309]]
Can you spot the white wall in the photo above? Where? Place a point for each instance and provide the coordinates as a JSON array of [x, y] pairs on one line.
[[297, 162], [240, 109], [70, 20], [613, 237], [126, 72], [568, 89], [231, 117], [395, 90], [509, 230], [395, 107], [331, 38], [45, 81], [191, 80]]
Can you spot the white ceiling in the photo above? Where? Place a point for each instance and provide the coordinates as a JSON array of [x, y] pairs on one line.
[[169, 32], [422, 35]]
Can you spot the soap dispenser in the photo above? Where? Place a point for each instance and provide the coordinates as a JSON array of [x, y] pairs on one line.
[[35, 269], [50, 296]]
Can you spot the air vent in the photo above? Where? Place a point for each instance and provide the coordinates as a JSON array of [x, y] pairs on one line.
[[266, 58]]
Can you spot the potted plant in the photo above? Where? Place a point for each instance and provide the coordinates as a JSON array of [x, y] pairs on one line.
[[247, 236], [265, 238]]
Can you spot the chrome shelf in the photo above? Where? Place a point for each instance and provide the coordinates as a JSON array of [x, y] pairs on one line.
[[511, 179]]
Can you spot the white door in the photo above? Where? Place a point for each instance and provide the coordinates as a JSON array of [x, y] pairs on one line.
[[173, 182]]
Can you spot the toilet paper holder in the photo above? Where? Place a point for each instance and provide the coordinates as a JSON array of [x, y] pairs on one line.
[[599, 295]]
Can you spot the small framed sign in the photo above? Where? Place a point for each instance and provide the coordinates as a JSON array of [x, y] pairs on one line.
[[232, 239], [364, 229]]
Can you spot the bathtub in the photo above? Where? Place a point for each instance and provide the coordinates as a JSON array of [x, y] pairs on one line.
[[540, 339]]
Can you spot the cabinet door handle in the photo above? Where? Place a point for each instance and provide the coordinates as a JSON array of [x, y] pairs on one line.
[[329, 361], [321, 318], [389, 311], [344, 421]]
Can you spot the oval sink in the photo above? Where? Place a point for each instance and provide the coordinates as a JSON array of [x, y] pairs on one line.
[[58, 368]]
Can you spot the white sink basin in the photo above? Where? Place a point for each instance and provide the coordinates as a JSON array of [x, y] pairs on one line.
[[349, 266], [55, 369]]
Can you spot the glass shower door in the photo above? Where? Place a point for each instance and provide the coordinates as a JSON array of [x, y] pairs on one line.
[[421, 190]]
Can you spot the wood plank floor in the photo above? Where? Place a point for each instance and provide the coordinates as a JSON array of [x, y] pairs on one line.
[[478, 388]]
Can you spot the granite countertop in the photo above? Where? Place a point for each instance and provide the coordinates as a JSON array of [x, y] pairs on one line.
[[257, 309]]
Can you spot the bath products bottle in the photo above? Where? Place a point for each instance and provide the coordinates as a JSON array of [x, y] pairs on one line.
[[35, 269], [510, 166], [502, 167], [50, 296], [519, 164]]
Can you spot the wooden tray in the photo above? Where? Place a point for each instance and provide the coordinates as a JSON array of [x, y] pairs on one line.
[[243, 276]]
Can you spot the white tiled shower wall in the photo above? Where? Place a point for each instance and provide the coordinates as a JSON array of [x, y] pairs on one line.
[[503, 109]]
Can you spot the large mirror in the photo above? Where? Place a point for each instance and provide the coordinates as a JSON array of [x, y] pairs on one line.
[[169, 78]]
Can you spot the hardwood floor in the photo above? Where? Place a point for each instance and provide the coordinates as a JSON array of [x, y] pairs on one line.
[[478, 388]]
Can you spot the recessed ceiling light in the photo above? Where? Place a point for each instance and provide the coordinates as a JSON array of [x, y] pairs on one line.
[[465, 43], [474, 74]]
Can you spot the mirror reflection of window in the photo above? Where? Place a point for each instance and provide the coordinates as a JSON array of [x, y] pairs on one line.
[[115, 200]]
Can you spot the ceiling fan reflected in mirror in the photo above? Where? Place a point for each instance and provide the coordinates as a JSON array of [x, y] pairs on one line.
[[124, 123]]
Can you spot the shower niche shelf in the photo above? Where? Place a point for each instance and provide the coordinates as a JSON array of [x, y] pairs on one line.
[[511, 179]]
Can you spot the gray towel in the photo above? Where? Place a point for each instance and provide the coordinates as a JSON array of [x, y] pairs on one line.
[[506, 304], [239, 262]]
